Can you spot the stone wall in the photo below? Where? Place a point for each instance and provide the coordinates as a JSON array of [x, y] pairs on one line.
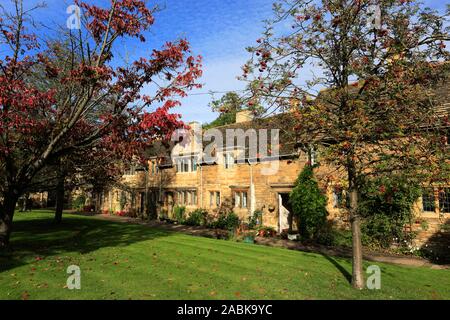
[[263, 182]]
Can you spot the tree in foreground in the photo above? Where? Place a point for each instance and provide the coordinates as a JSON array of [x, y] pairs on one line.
[[90, 101], [377, 63]]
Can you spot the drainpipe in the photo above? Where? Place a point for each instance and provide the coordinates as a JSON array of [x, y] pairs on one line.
[[146, 202], [201, 186], [252, 191]]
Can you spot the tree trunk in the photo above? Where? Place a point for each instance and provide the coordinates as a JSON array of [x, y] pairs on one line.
[[357, 274], [24, 203], [6, 217], [60, 190], [357, 257]]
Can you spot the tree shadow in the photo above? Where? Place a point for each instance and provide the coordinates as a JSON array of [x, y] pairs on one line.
[[40, 236], [437, 247], [341, 269]]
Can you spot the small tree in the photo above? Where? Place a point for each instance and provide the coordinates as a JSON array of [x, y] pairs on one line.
[[308, 204], [381, 62], [90, 98]]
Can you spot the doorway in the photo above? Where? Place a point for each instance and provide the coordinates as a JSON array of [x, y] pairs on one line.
[[284, 212]]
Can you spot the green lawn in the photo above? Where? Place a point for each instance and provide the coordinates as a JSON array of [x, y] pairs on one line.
[[125, 261]]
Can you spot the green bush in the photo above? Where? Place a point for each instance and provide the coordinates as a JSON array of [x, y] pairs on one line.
[[308, 203], [197, 218], [255, 220], [385, 205], [326, 239], [228, 221], [178, 212], [79, 202]]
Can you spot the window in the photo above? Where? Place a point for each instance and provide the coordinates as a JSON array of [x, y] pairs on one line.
[[428, 203], [240, 199], [217, 199], [214, 198], [180, 197], [187, 197], [193, 198], [186, 164], [313, 156], [338, 197], [154, 167], [444, 200], [130, 171], [228, 160]]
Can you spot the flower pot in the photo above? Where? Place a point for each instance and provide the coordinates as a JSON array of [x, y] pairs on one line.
[[293, 236], [249, 239]]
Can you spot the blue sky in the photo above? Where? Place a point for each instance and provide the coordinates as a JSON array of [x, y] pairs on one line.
[[219, 30]]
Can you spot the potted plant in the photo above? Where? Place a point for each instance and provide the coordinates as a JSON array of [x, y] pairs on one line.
[[267, 232], [293, 236], [249, 237]]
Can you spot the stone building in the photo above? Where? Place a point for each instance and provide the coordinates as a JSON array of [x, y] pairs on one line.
[[249, 178], [248, 181]]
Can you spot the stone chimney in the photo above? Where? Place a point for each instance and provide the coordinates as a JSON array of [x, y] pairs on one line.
[[244, 116], [195, 126]]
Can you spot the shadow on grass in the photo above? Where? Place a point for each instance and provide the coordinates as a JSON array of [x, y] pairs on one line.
[[40, 236], [341, 269]]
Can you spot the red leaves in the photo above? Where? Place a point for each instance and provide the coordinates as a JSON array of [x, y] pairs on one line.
[[22, 114], [86, 74], [116, 119], [130, 18]]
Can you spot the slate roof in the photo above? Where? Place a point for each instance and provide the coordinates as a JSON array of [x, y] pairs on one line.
[[285, 122]]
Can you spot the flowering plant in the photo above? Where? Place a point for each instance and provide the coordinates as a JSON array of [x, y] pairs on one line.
[[121, 213]]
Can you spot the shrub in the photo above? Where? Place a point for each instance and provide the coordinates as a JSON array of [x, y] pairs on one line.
[[308, 203], [79, 202], [326, 236], [121, 213], [178, 212], [386, 207], [197, 218], [228, 221], [89, 208], [255, 220]]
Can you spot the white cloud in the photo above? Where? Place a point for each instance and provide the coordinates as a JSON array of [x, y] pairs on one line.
[[218, 75]]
